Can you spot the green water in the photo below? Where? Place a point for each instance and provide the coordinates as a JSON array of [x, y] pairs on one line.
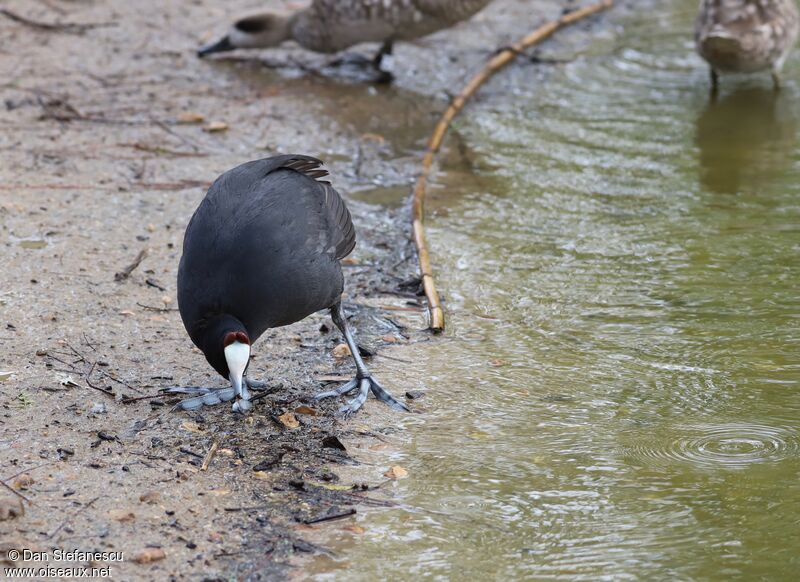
[[618, 393]]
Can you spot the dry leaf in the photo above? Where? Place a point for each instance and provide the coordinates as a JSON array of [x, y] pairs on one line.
[[219, 492], [126, 313], [303, 409], [149, 555], [190, 117], [23, 481], [373, 137], [122, 515], [261, 475], [341, 351], [396, 472], [289, 420], [216, 126], [192, 427], [226, 453], [151, 497]]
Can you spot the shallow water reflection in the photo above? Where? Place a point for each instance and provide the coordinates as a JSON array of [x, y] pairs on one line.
[[746, 137], [617, 394]]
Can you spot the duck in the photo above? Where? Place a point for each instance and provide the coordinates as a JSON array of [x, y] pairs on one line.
[[330, 26], [264, 250], [746, 36]]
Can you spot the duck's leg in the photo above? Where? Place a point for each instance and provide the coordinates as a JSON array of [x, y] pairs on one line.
[[363, 380], [212, 396], [776, 79], [384, 57]]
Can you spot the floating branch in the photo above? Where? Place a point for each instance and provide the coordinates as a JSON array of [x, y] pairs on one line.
[[500, 60]]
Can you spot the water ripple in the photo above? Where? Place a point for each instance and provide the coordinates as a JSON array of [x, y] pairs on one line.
[[731, 446]]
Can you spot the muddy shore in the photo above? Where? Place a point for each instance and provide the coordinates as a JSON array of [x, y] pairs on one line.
[[110, 135]]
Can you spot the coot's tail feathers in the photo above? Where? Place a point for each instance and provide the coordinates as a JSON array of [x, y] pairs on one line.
[[339, 216], [311, 167]]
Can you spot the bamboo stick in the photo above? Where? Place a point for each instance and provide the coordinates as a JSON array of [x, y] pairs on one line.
[[497, 62]]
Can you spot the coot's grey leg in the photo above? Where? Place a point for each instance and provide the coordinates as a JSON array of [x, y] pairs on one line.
[[363, 378]]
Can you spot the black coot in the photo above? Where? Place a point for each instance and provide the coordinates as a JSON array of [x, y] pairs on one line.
[[263, 250]]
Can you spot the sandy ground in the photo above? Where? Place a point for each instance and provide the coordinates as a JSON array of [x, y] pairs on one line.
[[108, 142]]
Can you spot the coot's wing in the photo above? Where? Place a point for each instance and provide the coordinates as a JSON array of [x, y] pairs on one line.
[[339, 217]]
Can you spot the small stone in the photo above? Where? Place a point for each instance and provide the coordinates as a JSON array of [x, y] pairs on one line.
[[215, 537], [415, 394], [122, 515], [149, 555], [99, 408]]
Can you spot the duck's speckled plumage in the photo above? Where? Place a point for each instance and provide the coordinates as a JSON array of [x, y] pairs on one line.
[[744, 36], [329, 26], [334, 25]]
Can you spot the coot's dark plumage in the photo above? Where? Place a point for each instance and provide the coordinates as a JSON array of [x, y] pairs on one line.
[[263, 250]]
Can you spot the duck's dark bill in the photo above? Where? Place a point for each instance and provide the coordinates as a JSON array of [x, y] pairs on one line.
[[224, 44]]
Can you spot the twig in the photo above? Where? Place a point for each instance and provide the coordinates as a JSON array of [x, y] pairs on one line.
[[190, 452], [15, 492], [55, 27], [209, 456], [126, 272], [73, 516], [165, 151], [152, 308], [497, 62], [106, 391], [324, 518], [401, 360]]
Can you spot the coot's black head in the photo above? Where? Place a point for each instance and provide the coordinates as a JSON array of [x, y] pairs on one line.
[[225, 343]]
